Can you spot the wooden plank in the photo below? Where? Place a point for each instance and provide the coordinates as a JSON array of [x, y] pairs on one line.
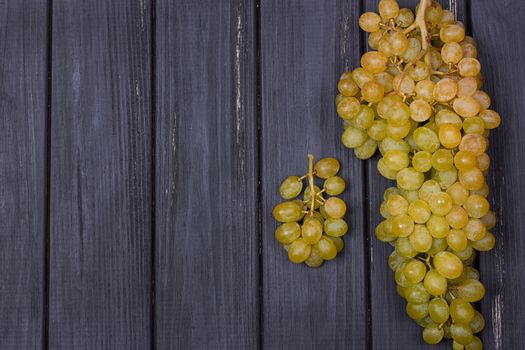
[[23, 94], [100, 272], [496, 27], [206, 176], [305, 46]]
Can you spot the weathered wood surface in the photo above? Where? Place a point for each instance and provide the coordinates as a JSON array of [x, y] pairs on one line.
[[169, 127], [206, 176], [23, 183], [100, 194], [497, 28]]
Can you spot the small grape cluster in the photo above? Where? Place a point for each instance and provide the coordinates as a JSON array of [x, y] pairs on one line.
[[312, 228], [417, 98]]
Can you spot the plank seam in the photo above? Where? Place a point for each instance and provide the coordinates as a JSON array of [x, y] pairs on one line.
[[47, 191], [366, 214], [258, 145], [153, 138]]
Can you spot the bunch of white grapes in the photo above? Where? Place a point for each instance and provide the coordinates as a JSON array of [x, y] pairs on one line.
[[418, 98], [312, 228]]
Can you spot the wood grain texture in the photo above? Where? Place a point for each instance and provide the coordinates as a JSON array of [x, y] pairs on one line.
[[100, 220], [497, 29], [206, 177], [23, 91], [305, 46]]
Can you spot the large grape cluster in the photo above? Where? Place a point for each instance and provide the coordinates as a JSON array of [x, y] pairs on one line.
[[312, 228], [417, 98]]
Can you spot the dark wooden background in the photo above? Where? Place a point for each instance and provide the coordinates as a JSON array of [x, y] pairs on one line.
[[141, 147]]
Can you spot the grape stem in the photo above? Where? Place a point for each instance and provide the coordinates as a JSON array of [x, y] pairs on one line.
[[420, 23], [311, 183]]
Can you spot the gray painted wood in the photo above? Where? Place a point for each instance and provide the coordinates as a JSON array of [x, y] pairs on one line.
[[206, 176], [23, 91], [100, 214], [305, 46], [496, 26]]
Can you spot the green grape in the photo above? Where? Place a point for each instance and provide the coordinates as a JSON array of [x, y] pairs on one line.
[[417, 294], [461, 333], [438, 226], [440, 203], [348, 107], [471, 290], [475, 230], [457, 240], [389, 144], [428, 188], [442, 160], [478, 322], [335, 207], [458, 193], [326, 167], [435, 284], [415, 271], [335, 227], [419, 211], [404, 248], [288, 232], [353, 137], [339, 243], [374, 61], [489, 220], [365, 117], [438, 245], [446, 178], [426, 139], [334, 185], [417, 311], [476, 206], [438, 310], [287, 212], [475, 344], [400, 279], [420, 239], [461, 311], [422, 161], [410, 179], [448, 265], [486, 243], [395, 260], [366, 150], [396, 160], [398, 132], [326, 248], [315, 259], [397, 205], [369, 22], [299, 251], [377, 131], [385, 171], [432, 334], [448, 117], [291, 187], [457, 217], [311, 231], [388, 9], [402, 225]]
